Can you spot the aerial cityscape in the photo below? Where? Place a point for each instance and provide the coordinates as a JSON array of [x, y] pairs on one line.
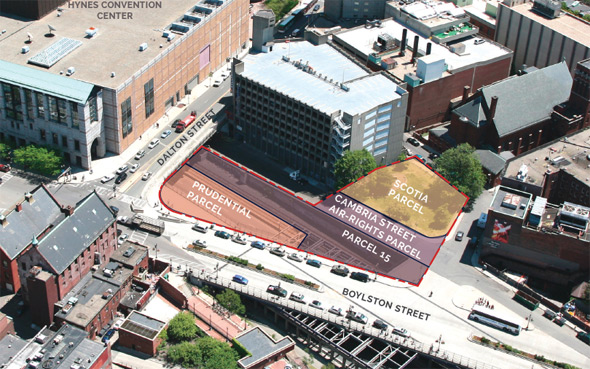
[[294, 184]]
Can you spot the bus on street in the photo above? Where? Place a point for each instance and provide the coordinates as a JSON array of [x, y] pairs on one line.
[[286, 23], [493, 319]]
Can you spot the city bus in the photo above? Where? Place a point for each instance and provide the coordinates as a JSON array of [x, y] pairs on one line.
[[286, 23], [493, 319]]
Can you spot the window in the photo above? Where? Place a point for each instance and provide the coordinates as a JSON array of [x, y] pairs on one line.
[[369, 132], [383, 109], [29, 102], [382, 126], [148, 90], [126, 121], [64, 141], [53, 116], [367, 141], [382, 134], [381, 142], [369, 124], [62, 111], [12, 101], [76, 145], [55, 139], [75, 116], [93, 107], [42, 134], [5, 263], [383, 118], [371, 115], [23, 265], [380, 151], [40, 105]]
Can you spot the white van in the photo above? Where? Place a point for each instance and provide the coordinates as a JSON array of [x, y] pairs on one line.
[[481, 222], [199, 227]]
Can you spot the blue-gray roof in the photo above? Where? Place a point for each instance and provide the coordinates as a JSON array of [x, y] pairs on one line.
[[366, 91], [48, 83], [530, 98], [473, 111], [31, 221], [260, 346], [491, 161], [66, 241]]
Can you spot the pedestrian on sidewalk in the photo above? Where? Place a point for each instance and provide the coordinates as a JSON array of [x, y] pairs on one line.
[[430, 294]]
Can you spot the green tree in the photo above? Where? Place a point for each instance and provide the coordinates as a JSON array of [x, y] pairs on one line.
[[186, 354], [231, 301], [217, 354], [352, 165], [182, 327], [460, 166], [38, 159], [328, 366], [4, 150]]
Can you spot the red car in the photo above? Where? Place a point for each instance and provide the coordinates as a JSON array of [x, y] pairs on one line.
[[5, 167]]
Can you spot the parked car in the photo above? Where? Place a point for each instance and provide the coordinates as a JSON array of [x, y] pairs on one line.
[[278, 251], [584, 337], [122, 238], [5, 167], [146, 176], [459, 236], [120, 178], [363, 277], [140, 154], [380, 324], [357, 317], [412, 141], [316, 304], [199, 243], [277, 290], [217, 82], [153, 143], [297, 297], [123, 169], [258, 245], [134, 168], [295, 257], [222, 234], [549, 314], [224, 75], [118, 323], [108, 177], [433, 155], [124, 219], [239, 279], [200, 228], [401, 331], [559, 320], [166, 133], [336, 311], [316, 7], [340, 270], [239, 239], [107, 336], [114, 209], [314, 263], [175, 123]]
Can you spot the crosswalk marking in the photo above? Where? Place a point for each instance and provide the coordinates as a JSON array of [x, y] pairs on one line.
[[139, 237]]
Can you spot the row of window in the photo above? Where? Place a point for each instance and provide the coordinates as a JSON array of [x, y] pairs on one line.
[[127, 114]]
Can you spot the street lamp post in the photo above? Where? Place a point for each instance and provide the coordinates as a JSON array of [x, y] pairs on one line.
[[529, 320]]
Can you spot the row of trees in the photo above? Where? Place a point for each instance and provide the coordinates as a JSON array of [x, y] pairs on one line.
[[459, 165], [35, 158], [191, 349]]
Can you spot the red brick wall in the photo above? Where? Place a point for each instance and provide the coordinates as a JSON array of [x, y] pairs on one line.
[[9, 273], [104, 360], [429, 103], [138, 343], [562, 186], [6, 326], [42, 297], [173, 293]]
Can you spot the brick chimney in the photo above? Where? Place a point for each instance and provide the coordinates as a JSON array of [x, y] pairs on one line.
[[493, 107], [465, 93], [19, 207], [67, 210]]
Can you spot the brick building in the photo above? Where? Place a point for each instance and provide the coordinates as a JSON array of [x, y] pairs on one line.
[[140, 332], [557, 170], [434, 74], [264, 349], [548, 243], [106, 82], [64, 241], [514, 115], [93, 303], [66, 348]]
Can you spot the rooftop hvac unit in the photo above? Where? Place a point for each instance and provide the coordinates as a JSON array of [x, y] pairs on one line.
[[143, 46], [70, 71], [90, 32], [24, 50], [171, 37]]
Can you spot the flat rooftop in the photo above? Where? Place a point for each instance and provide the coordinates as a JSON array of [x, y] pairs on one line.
[[261, 346], [276, 70], [130, 254], [93, 292], [568, 25], [143, 325], [361, 40], [478, 9], [511, 202], [567, 153], [432, 13], [9, 346], [114, 48]]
